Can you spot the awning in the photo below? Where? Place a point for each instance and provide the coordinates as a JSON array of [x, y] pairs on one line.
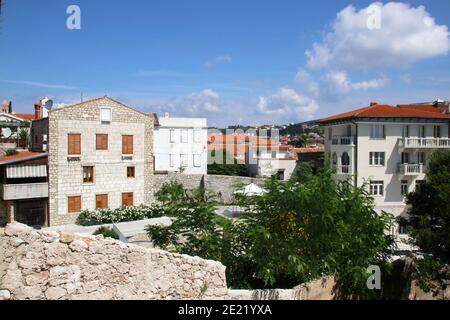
[[26, 171]]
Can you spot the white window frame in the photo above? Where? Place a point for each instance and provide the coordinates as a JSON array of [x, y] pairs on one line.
[[197, 160], [172, 135], [405, 131], [404, 187], [172, 160], [405, 158], [184, 135], [437, 132], [375, 158], [108, 119], [422, 132], [376, 188], [184, 161], [421, 157], [378, 132], [197, 135]]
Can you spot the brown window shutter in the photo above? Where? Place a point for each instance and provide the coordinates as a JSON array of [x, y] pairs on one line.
[[74, 204], [127, 144], [127, 199], [101, 142], [74, 144], [101, 201]]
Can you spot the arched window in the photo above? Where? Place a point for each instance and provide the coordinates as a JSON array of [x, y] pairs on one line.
[[345, 159], [334, 159]]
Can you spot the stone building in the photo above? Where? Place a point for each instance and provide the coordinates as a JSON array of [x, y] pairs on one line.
[[100, 155]]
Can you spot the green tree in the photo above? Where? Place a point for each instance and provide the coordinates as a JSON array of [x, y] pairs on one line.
[[194, 230], [302, 140], [429, 220]]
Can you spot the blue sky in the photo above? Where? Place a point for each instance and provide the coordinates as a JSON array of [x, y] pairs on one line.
[[235, 62]]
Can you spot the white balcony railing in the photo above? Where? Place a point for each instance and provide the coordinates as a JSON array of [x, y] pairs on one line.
[[25, 191], [343, 170], [411, 169], [425, 143], [342, 140]]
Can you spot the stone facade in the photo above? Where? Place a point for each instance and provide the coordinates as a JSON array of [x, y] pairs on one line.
[[49, 265], [110, 167]]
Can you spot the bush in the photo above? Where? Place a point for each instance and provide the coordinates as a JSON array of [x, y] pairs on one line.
[[107, 233], [11, 152], [124, 214]]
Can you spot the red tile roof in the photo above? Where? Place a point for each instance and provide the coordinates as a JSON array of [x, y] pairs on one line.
[[25, 116], [387, 111], [21, 156]]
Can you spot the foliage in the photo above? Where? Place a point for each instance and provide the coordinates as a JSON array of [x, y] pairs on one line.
[[225, 165], [107, 232], [11, 152], [23, 134], [306, 228], [301, 140], [124, 214], [194, 230], [429, 219]]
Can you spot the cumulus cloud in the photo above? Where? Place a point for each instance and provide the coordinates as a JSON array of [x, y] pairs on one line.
[[307, 81], [381, 35], [206, 100], [287, 103], [338, 82], [218, 60]]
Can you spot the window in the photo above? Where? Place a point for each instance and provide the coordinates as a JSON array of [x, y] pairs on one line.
[[131, 172], [377, 131], [437, 132], [197, 160], [184, 135], [101, 201], [172, 136], [172, 160], [127, 144], [88, 174], [377, 188], [335, 159], [74, 204], [105, 115], [421, 158], [183, 160], [74, 144], [405, 131], [197, 135], [330, 133], [377, 158], [422, 132], [349, 131], [405, 157], [101, 142], [404, 187], [127, 199]]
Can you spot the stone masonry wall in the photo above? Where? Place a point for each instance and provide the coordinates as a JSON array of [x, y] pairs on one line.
[[58, 266], [224, 186]]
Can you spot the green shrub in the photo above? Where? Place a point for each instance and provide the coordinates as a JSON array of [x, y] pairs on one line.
[[11, 152], [125, 214], [107, 232]]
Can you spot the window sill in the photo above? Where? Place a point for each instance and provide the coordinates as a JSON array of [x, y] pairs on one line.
[[376, 166]]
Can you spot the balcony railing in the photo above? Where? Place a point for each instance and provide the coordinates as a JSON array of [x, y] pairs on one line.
[[411, 169], [25, 191], [425, 143], [343, 170], [342, 140]]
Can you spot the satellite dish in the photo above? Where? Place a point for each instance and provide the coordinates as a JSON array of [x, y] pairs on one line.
[[47, 103], [6, 132]]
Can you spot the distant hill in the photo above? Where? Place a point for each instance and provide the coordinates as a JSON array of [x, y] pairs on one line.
[[297, 128]]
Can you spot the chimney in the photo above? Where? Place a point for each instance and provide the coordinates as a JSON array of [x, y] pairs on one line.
[[38, 110], [373, 103], [6, 106]]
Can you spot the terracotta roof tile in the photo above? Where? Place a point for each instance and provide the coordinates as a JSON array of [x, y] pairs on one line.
[[21, 156]]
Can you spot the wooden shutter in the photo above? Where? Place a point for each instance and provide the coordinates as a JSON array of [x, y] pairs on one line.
[[127, 199], [74, 144], [74, 204], [127, 144], [101, 201], [102, 142]]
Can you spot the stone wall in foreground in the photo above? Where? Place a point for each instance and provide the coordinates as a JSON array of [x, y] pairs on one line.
[[51, 265]]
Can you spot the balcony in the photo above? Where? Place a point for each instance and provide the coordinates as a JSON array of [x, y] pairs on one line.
[[343, 170], [425, 143], [25, 191], [411, 169], [342, 140]]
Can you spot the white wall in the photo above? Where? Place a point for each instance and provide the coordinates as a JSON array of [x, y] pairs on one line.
[[164, 149], [269, 162]]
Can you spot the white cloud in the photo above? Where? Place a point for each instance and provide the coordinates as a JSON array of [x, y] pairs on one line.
[[338, 82], [40, 84], [218, 60], [406, 78], [287, 103], [306, 80], [206, 100], [405, 35]]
